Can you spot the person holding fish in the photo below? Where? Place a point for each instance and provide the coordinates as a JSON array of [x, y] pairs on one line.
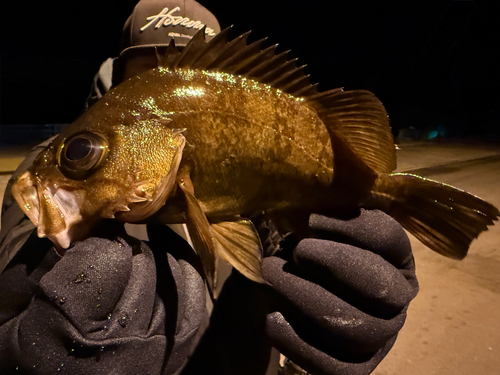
[[213, 134]]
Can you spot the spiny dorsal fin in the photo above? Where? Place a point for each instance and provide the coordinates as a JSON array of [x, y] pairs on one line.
[[361, 120], [214, 49], [356, 116], [227, 53], [191, 52], [240, 58], [171, 55], [243, 57]]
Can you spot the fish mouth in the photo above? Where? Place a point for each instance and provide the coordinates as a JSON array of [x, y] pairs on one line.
[[53, 210]]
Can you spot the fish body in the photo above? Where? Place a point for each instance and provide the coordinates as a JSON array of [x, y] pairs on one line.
[[251, 147], [225, 131]]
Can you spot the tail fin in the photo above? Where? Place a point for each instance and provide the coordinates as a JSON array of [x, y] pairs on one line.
[[442, 217]]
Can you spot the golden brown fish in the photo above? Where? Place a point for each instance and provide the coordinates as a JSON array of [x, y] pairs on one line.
[[224, 131]]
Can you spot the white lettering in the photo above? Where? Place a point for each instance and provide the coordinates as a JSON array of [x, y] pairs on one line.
[[166, 18], [152, 19], [198, 25], [177, 21]]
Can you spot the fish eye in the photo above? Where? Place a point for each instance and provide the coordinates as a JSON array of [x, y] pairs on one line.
[[78, 148], [80, 155]]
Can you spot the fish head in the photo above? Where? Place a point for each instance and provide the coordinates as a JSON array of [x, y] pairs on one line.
[[100, 167]]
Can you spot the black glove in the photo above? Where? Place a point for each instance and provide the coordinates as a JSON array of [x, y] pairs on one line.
[[334, 309], [235, 342], [99, 309], [343, 298]]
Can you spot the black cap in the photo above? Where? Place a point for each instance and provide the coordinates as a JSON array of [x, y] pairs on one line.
[[154, 23]]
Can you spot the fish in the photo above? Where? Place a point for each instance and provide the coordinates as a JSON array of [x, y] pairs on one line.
[[225, 131]]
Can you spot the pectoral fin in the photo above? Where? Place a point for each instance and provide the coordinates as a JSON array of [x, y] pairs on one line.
[[199, 230], [237, 242]]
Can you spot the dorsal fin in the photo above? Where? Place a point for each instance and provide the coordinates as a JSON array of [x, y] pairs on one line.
[[238, 57], [232, 47], [213, 49], [170, 56], [361, 120], [357, 116], [243, 57], [191, 52]]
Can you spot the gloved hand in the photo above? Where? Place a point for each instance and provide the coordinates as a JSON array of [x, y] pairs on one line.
[[101, 308], [342, 299], [335, 307]]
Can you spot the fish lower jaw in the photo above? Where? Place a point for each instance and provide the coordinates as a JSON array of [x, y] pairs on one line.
[[25, 193], [53, 213], [61, 241]]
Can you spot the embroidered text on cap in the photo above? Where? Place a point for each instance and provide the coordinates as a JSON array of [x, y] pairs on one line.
[[166, 18]]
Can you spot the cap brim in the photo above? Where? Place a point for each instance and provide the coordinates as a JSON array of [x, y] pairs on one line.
[[138, 50]]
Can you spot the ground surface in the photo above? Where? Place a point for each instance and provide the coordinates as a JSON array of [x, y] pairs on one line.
[[10, 157], [453, 324]]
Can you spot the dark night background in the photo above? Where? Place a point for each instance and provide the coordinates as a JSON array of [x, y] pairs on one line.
[[435, 64]]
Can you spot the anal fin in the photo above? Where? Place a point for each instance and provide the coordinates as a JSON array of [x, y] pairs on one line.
[[239, 244]]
